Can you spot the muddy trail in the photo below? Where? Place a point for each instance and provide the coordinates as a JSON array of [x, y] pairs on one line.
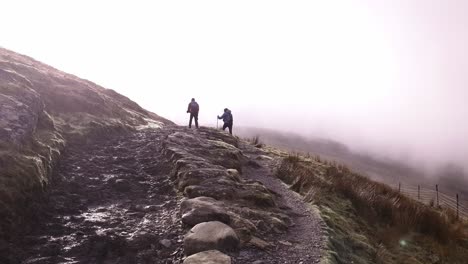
[[117, 201], [111, 202]]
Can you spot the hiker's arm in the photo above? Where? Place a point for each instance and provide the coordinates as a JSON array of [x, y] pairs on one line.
[[221, 117]]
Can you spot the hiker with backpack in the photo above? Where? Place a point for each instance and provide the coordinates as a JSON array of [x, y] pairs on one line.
[[227, 119], [193, 109]]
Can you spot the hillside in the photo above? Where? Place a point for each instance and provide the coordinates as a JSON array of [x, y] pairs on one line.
[[41, 111], [369, 222], [88, 176], [384, 170], [450, 178]]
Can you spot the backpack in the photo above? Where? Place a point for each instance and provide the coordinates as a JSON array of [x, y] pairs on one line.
[[194, 107], [229, 118]]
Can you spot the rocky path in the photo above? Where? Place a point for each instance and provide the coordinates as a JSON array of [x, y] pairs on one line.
[[303, 242], [134, 198], [112, 202]]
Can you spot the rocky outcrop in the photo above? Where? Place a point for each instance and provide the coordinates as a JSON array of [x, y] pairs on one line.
[[219, 200], [204, 164], [41, 110]]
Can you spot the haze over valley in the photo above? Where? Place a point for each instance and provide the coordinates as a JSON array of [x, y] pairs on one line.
[[385, 78]]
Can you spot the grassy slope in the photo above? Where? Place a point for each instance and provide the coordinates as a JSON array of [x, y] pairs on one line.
[[451, 180], [368, 222]]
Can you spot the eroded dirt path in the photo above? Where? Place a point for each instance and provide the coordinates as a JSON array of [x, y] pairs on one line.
[[304, 240], [112, 202]]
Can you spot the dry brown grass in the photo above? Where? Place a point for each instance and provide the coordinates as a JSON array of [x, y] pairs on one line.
[[385, 211], [255, 141]]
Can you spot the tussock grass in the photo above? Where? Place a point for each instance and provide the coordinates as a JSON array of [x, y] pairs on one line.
[[373, 217], [255, 141]]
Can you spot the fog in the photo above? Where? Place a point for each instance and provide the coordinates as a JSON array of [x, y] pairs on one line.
[[384, 77]]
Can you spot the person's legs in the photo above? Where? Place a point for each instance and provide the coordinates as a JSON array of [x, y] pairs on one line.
[[190, 123], [196, 120], [230, 128], [224, 126]]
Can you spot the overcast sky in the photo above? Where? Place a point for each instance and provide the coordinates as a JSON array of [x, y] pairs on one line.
[[385, 76]]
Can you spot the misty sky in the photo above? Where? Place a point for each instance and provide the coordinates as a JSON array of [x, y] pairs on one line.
[[385, 76]]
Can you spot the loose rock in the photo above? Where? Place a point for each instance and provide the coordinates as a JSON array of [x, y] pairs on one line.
[[202, 209], [166, 243], [208, 257], [210, 235]]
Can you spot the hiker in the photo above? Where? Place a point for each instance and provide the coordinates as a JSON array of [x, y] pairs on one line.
[[227, 119], [193, 109]]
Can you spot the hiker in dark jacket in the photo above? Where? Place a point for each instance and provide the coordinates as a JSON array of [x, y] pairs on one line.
[[193, 109], [227, 119]]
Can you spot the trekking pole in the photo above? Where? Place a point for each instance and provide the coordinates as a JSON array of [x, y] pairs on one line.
[[217, 122]]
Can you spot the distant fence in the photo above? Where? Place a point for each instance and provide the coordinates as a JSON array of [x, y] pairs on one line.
[[435, 197]]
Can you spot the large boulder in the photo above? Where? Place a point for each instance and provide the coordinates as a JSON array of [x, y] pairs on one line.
[[208, 257], [210, 235], [203, 209]]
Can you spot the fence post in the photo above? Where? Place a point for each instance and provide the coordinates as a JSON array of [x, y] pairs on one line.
[[399, 187], [437, 193], [419, 190], [457, 206]]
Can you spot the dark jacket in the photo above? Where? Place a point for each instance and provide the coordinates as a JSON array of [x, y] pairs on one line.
[[193, 107], [227, 117]]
